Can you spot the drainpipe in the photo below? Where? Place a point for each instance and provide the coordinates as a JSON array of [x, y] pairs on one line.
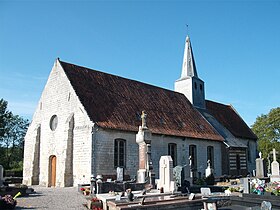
[[93, 149]]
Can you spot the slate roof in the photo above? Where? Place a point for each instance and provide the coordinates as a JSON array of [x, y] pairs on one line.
[[230, 119], [116, 103]]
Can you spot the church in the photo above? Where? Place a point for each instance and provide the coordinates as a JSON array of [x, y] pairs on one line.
[[86, 123]]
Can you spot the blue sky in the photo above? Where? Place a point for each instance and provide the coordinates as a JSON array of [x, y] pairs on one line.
[[236, 46]]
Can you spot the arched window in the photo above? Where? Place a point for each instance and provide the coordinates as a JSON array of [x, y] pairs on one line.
[[172, 151], [119, 153], [210, 155]]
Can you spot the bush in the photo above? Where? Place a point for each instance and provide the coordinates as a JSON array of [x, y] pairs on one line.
[[13, 173]]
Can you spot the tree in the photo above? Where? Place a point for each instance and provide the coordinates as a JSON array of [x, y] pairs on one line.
[[267, 128], [13, 129], [4, 115]]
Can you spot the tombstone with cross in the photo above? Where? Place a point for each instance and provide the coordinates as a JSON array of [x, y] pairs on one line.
[[275, 175], [166, 174]]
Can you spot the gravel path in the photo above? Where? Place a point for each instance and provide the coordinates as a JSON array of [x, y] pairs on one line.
[[52, 198]]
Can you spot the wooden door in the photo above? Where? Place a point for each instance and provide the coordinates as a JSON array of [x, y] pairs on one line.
[[53, 171]]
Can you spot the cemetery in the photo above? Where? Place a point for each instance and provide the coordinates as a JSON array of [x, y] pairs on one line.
[[9, 193], [170, 191]]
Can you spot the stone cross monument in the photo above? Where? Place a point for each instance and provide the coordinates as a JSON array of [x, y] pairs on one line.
[[208, 170], [143, 139], [275, 176]]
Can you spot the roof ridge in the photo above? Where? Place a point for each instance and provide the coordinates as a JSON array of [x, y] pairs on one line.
[[218, 102], [121, 77]]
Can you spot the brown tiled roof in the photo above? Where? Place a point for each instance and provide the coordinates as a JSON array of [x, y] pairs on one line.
[[230, 119], [116, 103]]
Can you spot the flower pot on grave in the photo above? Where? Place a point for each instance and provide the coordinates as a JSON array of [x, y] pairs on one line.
[[130, 196], [94, 204], [5, 204], [86, 192]]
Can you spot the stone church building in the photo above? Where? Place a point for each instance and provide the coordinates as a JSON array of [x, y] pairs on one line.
[[86, 124]]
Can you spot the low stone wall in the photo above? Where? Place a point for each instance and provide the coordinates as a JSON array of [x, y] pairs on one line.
[[196, 188], [14, 190], [251, 200], [176, 204], [105, 187]]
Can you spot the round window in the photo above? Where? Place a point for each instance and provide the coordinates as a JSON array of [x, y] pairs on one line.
[[53, 122]]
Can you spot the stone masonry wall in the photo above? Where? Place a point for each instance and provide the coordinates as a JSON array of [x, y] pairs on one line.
[[159, 146], [58, 98]]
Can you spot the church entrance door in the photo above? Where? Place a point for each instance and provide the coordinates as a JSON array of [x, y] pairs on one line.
[[52, 171]]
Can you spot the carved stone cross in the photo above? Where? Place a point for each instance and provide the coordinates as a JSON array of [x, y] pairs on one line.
[[209, 163], [144, 119], [274, 154], [190, 161]]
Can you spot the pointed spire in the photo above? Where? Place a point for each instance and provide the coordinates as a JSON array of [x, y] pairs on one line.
[[188, 67]]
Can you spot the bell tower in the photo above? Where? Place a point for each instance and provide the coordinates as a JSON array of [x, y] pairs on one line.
[[189, 83]]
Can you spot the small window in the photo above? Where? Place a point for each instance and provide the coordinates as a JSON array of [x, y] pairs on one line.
[[200, 86], [53, 122], [195, 85], [172, 151], [119, 153], [193, 155], [210, 155]]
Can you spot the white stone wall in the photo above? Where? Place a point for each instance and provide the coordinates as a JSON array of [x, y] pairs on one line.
[[185, 87], [105, 147], [59, 98], [159, 146], [193, 92]]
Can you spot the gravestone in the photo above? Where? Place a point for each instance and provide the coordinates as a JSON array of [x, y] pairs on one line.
[[143, 139], [275, 176], [177, 174], [1, 175], [259, 166], [119, 174], [245, 182], [166, 180], [205, 191]]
